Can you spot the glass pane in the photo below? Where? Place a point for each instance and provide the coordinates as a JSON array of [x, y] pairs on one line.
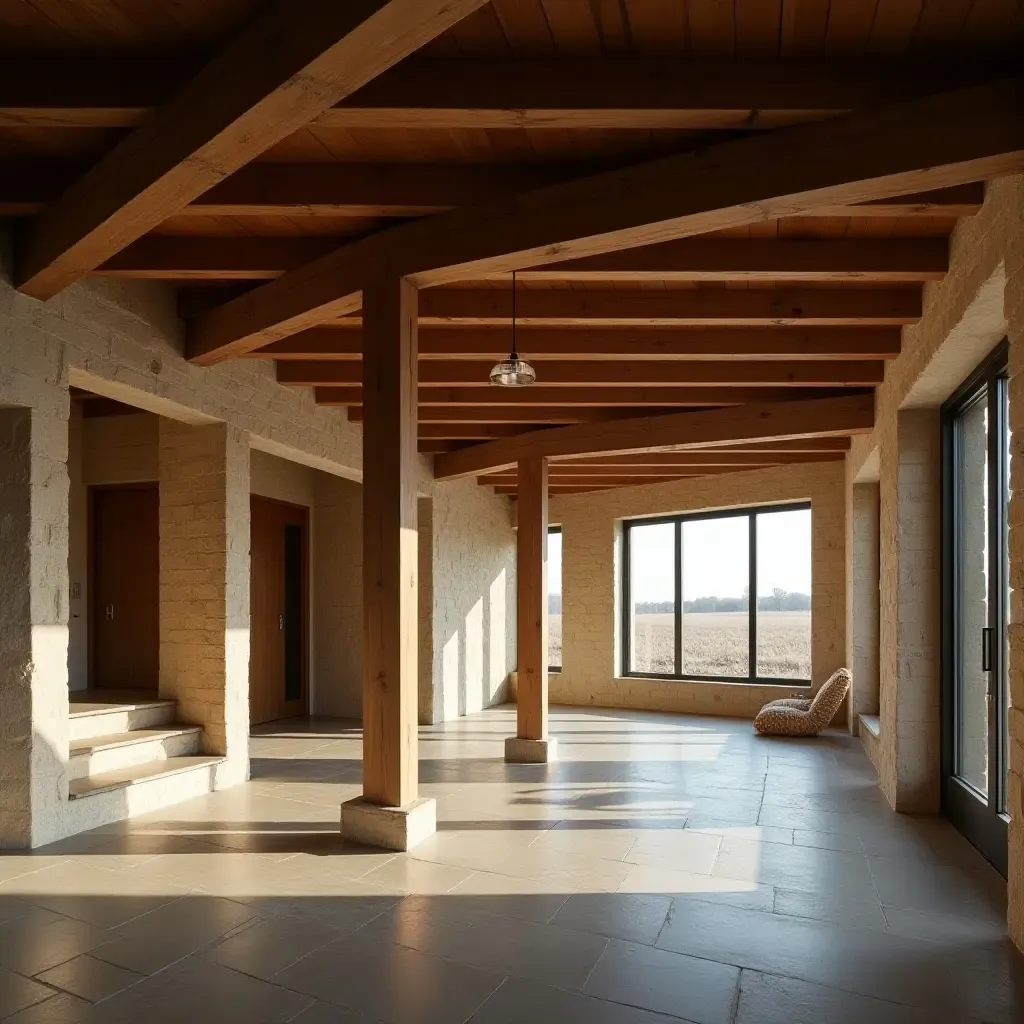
[[652, 590], [554, 599], [972, 546], [784, 594], [716, 592]]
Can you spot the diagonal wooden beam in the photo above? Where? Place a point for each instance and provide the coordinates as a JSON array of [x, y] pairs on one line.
[[950, 139], [641, 373], [292, 63], [679, 431], [475, 93], [262, 258]]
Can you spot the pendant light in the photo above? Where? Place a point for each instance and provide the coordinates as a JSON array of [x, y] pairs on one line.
[[513, 372]]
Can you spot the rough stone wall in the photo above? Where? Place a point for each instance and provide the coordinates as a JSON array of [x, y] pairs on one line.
[[474, 597], [863, 525], [204, 584], [1014, 312], [590, 578]]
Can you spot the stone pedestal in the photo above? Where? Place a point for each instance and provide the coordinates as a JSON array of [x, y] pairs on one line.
[[392, 828], [520, 751]]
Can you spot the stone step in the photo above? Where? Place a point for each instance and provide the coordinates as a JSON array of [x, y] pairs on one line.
[[92, 715], [137, 777], [98, 755]]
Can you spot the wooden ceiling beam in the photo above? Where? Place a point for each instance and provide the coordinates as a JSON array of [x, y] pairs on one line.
[[561, 472], [940, 141], [306, 191], [641, 373], [486, 93], [599, 397], [541, 344], [676, 431], [262, 258], [551, 414], [750, 307], [290, 64]]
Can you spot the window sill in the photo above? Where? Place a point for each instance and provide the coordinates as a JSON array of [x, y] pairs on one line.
[[871, 724], [783, 688]]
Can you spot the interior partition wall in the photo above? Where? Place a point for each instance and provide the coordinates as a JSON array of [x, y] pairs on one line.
[[976, 607]]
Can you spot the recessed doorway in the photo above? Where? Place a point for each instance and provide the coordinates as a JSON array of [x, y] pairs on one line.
[[279, 648]]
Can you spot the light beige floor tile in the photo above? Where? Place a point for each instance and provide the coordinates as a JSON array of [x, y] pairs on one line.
[[393, 983], [18, 992], [89, 978], [687, 987], [60, 1008], [632, 917], [519, 1000], [29, 946], [727, 891], [403, 875], [262, 948]]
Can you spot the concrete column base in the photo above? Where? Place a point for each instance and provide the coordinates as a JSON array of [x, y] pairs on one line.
[[520, 751], [392, 828]]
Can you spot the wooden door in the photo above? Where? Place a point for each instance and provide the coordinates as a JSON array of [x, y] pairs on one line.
[[124, 607], [278, 652]]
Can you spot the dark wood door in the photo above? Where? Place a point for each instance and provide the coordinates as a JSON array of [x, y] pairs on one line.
[[125, 597], [278, 636]]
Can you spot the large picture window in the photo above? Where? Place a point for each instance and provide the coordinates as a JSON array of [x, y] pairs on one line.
[[687, 582]]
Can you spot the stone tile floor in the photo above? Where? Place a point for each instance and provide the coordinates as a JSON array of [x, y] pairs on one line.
[[669, 868]]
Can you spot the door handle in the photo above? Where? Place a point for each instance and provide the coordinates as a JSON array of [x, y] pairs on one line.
[[280, 623], [110, 613], [986, 649]]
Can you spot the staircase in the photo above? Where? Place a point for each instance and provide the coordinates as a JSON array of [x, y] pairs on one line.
[[128, 755]]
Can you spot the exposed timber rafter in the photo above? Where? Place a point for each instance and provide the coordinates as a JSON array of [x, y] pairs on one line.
[[678, 431], [857, 158], [475, 93], [292, 63], [641, 373], [255, 258], [611, 396]]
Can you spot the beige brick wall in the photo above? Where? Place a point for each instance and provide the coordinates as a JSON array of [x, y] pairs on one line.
[[204, 584], [590, 603], [863, 585]]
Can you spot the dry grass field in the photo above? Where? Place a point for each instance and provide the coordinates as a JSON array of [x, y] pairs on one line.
[[714, 644]]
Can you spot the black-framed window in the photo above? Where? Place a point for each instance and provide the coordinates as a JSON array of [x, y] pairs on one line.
[[555, 599], [976, 606], [686, 586]]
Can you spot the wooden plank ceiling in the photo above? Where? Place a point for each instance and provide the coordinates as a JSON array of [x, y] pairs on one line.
[[520, 95]]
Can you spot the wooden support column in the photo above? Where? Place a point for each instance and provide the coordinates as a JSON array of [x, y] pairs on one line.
[[389, 813], [531, 743]]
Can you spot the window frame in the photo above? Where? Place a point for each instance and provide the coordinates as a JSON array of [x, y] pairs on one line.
[[547, 597], [751, 512]]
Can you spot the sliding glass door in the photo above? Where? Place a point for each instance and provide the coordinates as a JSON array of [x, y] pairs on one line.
[[976, 608]]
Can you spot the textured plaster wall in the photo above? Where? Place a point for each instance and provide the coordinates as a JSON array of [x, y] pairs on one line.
[[590, 579], [474, 599]]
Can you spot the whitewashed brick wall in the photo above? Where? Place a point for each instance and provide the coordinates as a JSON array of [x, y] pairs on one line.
[[590, 603]]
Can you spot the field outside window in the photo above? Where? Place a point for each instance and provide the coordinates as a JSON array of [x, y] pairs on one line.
[[687, 587]]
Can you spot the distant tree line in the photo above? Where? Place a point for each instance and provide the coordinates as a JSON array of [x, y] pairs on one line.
[[778, 601]]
